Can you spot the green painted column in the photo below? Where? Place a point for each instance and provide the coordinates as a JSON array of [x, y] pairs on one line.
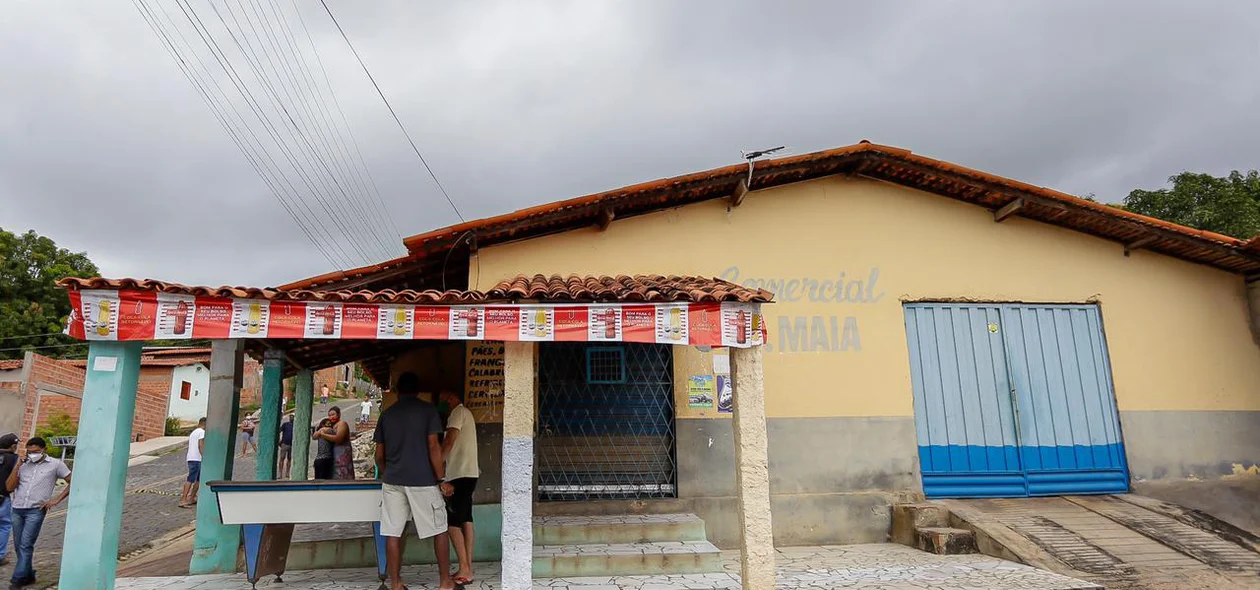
[[215, 544], [304, 394], [269, 421], [94, 520]]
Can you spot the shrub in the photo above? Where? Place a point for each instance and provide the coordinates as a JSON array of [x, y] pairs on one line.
[[58, 425], [173, 426]]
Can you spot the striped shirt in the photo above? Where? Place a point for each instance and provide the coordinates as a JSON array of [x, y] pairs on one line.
[[36, 482]]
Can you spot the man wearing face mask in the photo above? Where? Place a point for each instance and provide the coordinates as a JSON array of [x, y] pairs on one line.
[[31, 485]]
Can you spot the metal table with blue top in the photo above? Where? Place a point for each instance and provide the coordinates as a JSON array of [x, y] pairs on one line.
[[268, 510]]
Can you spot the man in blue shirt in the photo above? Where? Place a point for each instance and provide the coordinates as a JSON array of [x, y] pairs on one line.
[[286, 447]]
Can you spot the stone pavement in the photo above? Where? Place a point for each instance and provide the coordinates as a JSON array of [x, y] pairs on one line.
[[869, 567], [150, 506]]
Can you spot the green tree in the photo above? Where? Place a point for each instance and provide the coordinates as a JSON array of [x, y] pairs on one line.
[[1228, 205], [30, 300]]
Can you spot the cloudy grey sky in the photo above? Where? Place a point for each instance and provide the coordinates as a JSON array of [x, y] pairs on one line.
[[107, 148]]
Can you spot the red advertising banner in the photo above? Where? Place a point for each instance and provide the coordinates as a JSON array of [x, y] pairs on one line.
[[145, 315]]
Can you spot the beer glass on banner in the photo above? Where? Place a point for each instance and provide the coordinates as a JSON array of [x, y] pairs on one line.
[[400, 322], [102, 318]]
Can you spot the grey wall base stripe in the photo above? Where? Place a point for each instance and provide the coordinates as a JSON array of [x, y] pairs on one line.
[[1181, 444]]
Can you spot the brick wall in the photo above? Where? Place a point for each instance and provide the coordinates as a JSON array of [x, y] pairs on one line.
[[152, 396], [251, 383], [60, 374], [152, 400]]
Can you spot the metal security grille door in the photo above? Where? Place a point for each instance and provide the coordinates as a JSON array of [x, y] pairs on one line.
[[1013, 400], [606, 422]]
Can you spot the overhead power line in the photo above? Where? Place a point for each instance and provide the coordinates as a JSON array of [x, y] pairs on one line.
[[257, 156], [391, 110], [31, 336], [279, 119]]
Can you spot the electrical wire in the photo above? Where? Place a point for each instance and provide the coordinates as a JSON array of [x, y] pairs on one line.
[[391, 111], [349, 130], [328, 182], [306, 87], [252, 103], [32, 336], [310, 124], [257, 157]]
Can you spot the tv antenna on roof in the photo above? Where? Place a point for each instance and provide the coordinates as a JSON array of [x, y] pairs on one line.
[[753, 155]]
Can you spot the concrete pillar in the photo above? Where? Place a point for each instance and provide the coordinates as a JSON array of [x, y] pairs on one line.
[[89, 557], [518, 466], [752, 473], [304, 398], [215, 545], [269, 418]]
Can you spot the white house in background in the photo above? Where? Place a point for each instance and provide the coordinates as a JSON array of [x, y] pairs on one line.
[[190, 388]]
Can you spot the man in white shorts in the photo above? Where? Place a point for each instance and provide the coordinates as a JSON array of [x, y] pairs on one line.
[[409, 460]]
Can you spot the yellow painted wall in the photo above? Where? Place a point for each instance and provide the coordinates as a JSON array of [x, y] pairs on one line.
[[1177, 332]]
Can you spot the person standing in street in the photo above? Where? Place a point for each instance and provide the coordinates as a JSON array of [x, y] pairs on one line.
[[196, 446], [323, 394], [365, 410], [8, 462], [31, 485], [323, 451], [247, 436], [459, 449], [338, 433], [285, 454], [409, 461]]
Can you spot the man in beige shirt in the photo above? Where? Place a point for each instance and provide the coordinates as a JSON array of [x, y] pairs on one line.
[[459, 448]]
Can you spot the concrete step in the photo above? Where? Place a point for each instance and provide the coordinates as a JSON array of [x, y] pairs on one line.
[[617, 529], [626, 559], [945, 540], [910, 517]]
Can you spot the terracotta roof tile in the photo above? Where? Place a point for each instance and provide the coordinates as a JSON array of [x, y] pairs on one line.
[[648, 288], [6, 365], [881, 162]]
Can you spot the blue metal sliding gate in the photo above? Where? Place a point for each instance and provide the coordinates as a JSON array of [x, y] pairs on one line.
[[1013, 400]]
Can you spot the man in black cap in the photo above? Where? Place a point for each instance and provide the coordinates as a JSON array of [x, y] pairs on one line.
[[8, 460]]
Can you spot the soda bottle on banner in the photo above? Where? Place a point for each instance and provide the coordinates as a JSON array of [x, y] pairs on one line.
[[330, 320], [180, 316], [471, 317], [740, 336], [610, 323]]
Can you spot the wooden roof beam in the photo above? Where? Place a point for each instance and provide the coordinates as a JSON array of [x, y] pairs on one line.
[[741, 190], [606, 216], [1008, 210], [1141, 242]]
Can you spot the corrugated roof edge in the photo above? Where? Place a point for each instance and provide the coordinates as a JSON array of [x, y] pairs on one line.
[[419, 244]]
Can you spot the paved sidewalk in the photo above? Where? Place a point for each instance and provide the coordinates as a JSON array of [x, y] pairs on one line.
[[870, 567], [155, 446]]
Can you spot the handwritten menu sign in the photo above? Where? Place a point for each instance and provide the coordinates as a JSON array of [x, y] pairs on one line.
[[483, 381]]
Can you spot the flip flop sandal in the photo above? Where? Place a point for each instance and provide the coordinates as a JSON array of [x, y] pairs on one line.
[[462, 581]]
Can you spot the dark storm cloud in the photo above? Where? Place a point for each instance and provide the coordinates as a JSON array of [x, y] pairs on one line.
[[105, 147]]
